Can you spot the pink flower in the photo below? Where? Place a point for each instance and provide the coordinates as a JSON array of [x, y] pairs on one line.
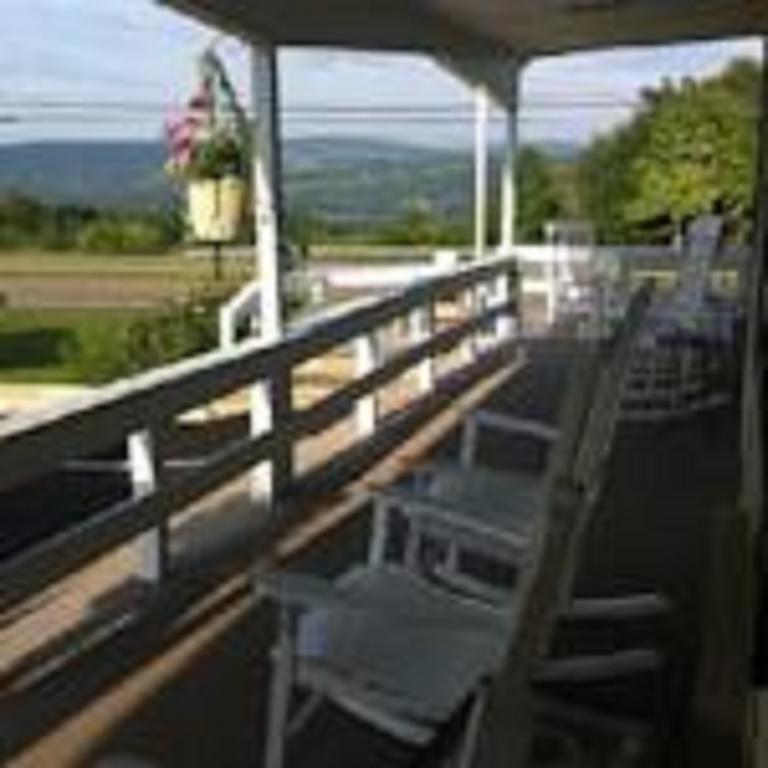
[[198, 133]]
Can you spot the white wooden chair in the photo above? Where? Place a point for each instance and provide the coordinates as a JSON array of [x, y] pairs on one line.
[[399, 653], [404, 654], [681, 358], [465, 508], [384, 645]]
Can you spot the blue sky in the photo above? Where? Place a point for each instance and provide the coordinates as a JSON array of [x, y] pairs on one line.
[[132, 51]]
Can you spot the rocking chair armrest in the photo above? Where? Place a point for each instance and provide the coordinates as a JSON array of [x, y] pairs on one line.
[[515, 425], [420, 506]]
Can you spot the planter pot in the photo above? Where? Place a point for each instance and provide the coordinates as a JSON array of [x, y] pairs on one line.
[[215, 208]]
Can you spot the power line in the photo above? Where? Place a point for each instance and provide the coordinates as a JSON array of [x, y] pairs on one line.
[[319, 122], [94, 112], [376, 109]]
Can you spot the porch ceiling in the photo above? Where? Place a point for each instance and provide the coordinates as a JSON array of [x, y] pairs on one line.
[[528, 27]]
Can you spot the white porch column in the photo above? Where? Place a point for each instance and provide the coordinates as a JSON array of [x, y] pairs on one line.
[[508, 208], [266, 186], [505, 325], [270, 400], [481, 170]]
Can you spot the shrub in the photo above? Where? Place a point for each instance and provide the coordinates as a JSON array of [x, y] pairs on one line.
[[125, 236], [98, 352], [180, 329], [183, 328]]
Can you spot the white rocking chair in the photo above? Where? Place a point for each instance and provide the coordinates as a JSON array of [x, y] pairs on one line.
[[466, 508], [405, 654], [681, 358]]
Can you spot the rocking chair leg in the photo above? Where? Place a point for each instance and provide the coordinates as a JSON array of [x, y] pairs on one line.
[[304, 714], [280, 693], [377, 551], [466, 748]]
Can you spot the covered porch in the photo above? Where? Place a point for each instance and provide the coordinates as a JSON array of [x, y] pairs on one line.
[[136, 635], [186, 682]]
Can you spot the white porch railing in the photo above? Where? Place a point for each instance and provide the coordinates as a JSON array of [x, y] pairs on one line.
[[242, 308], [546, 270], [137, 411]]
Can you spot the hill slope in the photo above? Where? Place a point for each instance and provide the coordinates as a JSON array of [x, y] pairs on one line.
[[334, 177]]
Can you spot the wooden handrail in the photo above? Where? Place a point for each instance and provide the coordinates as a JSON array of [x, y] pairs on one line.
[[35, 444]]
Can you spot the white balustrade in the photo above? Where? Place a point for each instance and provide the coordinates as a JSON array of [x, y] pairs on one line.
[[422, 326], [367, 355], [145, 472], [36, 444]]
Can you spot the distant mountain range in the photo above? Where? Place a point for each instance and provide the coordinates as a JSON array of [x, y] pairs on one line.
[[339, 178]]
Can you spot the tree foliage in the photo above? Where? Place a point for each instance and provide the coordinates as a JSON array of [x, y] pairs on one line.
[[691, 145], [539, 198], [27, 223], [177, 329]]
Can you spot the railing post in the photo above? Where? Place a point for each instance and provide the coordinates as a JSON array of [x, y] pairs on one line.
[[227, 327], [367, 354], [550, 281], [485, 299], [506, 325], [271, 405], [144, 470], [422, 326], [471, 303]]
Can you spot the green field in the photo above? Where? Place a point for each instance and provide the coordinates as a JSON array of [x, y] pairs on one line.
[[45, 262], [54, 304], [168, 271], [37, 345]]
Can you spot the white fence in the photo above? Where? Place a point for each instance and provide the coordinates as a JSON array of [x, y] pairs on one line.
[[138, 410], [547, 271], [552, 274]]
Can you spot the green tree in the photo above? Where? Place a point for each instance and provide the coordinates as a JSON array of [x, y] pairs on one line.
[[606, 184], [539, 200], [700, 148], [126, 235], [691, 145]]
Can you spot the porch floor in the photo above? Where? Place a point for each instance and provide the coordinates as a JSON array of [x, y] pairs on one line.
[[189, 690]]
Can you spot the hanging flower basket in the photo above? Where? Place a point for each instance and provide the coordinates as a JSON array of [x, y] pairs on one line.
[[209, 144], [215, 208]]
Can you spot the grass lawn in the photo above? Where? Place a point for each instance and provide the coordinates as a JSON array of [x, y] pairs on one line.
[[36, 344], [73, 280], [46, 262]]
